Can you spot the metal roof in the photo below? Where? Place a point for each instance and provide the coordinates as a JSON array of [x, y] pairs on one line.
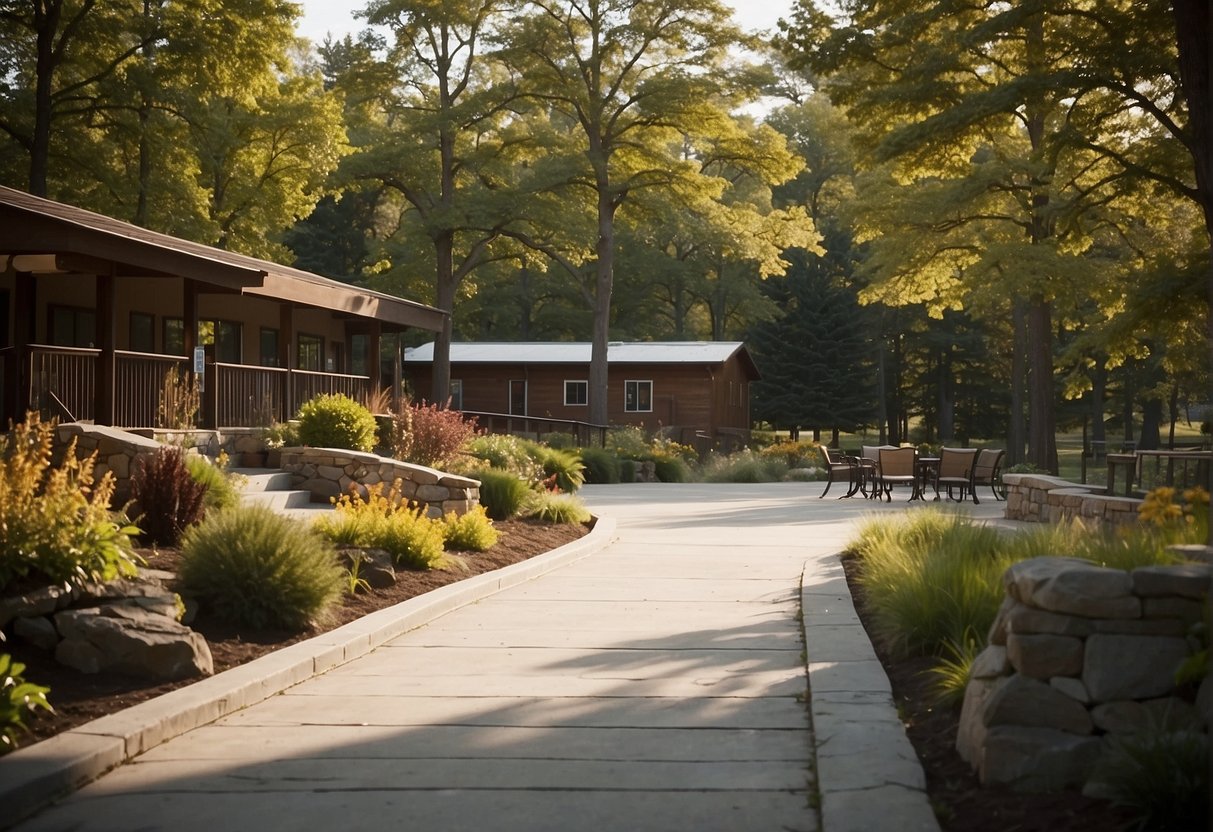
[[577, 352], [81, 239]]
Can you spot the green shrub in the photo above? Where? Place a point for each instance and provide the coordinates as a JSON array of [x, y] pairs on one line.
[[472, 531], [628, 443], [1163, 776], [220, 491], [55, 520], [426, 434], [168, 498], [627, 470], [281, 435], [601, 466], [256, 568], [563, 467], [550, 507], [336, 421], [744, 466], [385, 521], [18, 700], [792, 454], [502, 494], [508, 453], [672, 469]]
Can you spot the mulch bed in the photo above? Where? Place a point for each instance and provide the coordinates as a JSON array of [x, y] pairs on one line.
[[78, 697], [961, 803]]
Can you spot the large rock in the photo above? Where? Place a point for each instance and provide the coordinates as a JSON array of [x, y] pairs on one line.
[[1019, 700], [43, 601], [990, 663], [127, 638], [1037, 759], [1155, 716], [1131, 667], [1073, 587], [971, 732], [1044, 656], [1188, 580]]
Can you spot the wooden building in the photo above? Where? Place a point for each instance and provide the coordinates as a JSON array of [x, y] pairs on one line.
[[691, 390], [94, 312]]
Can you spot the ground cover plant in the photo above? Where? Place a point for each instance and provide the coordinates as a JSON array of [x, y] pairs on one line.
[[55, 521]]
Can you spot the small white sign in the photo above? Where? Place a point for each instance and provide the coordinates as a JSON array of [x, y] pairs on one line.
[[199, 360]]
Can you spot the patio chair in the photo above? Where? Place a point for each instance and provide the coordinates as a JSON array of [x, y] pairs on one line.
[[988, 471], [869, 468], [898, 466], [956, 472], [838, 466]]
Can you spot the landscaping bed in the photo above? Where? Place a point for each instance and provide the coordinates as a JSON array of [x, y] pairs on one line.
[[78, 697]]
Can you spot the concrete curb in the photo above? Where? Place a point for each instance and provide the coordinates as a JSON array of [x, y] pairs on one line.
[[31, 778], [867, 771]]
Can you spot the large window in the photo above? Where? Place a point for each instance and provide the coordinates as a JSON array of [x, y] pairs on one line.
[[143, 332], [518, 397], [72, 326], [311, 352], [576, 392], [268, 351], [638, 396], [222, 336]]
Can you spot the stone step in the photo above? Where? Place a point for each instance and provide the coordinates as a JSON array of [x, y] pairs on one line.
[[257, 480], [279, 500]]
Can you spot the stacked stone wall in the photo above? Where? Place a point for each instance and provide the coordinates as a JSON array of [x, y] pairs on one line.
[[1043, 499], [1078, 656], [330, 472]]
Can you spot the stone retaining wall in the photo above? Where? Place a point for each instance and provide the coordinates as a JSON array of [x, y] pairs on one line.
[[1043, 499], [1078, 655], [330, 472], [116, 452]]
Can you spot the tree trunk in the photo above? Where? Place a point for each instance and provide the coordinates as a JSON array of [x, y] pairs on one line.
[[440, 388], [1173, 413], [1042, 440], [46, 24], [1019, 383], [1151, 422], [604, 278], [1099, 392]]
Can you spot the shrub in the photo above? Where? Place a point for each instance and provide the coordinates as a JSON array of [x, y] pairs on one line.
[[336, 421], [256, 568], [792, 454], [509, 453], [745, 466], [566, 509], [601, 466], [628, 443], [18, 699], [627, 470], [502, 494], [672, 469], [281, 435], [426, 434], [472, 531], [55, 519], [563, 468], [1163, 776], [168, 498], [220, 491], [385, 521]]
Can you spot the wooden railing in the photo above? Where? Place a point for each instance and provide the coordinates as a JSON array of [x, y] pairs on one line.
[[249, 396], [63, 377], [138, 381], [308, 384], [584, 433]]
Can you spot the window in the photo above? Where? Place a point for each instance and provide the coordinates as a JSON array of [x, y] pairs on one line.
[[456, 394], [174, 336], [360, 347], [518, 397], [268, 353], [638, 396], [222, 336], [311, 352], [576, 392], [143, 332], [72, 326]]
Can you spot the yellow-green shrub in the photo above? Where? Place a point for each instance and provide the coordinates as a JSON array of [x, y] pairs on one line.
[[472, 531], [386, 521]]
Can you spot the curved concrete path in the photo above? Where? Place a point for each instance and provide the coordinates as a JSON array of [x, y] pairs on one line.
[[657, 683]]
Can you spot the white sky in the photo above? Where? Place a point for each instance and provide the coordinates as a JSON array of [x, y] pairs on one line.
[[336, 17]]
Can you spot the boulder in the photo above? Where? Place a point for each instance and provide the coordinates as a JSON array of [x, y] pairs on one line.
[[1044, 656], [126, 638], [1187, 580], [1071, 687], [43, 601], [971, 732], [1131, 667], [37, 630], [990, 663], [1019, 700], [1037, 759], [1073, 587], [1157, 715]]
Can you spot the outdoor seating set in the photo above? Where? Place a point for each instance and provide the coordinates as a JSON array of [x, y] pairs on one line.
[[878, 469]]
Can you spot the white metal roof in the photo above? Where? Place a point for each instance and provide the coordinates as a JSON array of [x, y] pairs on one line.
[[568, 352]]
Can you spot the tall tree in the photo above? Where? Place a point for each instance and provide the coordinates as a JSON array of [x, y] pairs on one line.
[[631, 79]]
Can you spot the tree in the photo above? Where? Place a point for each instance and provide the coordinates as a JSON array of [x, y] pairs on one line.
[[632, 80]]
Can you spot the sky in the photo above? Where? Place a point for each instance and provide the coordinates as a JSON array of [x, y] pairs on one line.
[[336, 17]]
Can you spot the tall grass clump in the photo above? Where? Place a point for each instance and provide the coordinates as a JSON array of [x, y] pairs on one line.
[[1127, 548], [220, 491], [930, 578], [336, 421], [563, 509], [55, 520], [256, 568], [562, 467], [601, 466], [1162, 776], [385, 520], [502, 494], [744, 466]]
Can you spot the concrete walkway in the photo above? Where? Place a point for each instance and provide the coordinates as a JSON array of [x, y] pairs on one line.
[[656, 683]]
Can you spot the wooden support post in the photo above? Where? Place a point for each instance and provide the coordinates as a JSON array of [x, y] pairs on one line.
[[103, 391]]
